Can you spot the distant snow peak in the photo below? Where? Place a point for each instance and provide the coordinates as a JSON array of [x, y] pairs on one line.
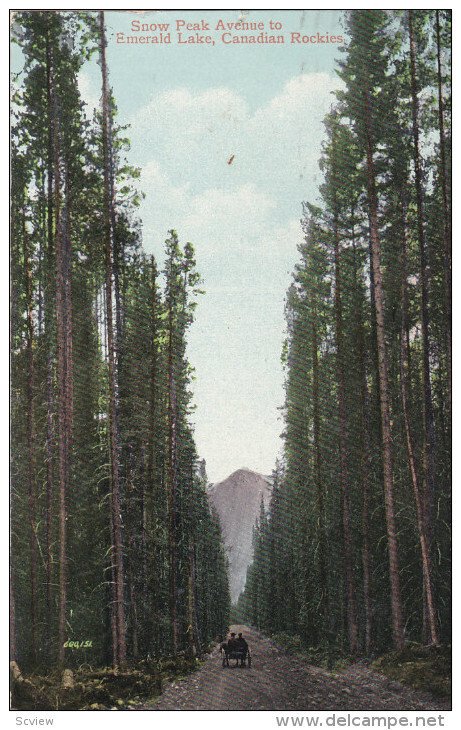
[[237, 501]]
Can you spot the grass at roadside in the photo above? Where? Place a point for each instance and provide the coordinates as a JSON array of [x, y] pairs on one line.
[[421, 667], [327, 657]]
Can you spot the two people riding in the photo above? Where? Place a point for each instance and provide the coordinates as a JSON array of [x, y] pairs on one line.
[[236, 647]]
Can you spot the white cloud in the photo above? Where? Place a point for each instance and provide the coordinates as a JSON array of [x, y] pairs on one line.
[[191, 133], [194, 134], [190, 185], [234, 214], [244, 221], [214, 219], [288, 129]]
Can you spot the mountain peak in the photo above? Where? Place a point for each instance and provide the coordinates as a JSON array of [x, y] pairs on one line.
[[243, 471], [237, 500]]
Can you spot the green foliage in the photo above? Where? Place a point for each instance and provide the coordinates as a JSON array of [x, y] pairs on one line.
[[92, 690], [327, 657], [422, 667], [58, 167], [296, 586]]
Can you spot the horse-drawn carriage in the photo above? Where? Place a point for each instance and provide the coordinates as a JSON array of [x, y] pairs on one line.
[[243, 658]]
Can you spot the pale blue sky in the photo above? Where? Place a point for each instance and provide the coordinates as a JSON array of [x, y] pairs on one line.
[[191, 108]]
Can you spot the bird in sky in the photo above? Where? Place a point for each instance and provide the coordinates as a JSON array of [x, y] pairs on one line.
[[230, 160]]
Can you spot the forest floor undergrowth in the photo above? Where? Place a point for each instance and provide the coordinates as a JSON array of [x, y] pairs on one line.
[[96, 689], [280, 680]]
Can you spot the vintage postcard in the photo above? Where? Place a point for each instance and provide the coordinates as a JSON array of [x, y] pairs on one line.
[[231, 360]]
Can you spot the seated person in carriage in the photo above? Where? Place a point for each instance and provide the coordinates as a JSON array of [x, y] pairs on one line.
[[235, 648], [229, 645], [232, 643], [242, 646]]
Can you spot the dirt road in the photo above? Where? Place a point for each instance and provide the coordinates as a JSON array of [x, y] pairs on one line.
[[279, 681]]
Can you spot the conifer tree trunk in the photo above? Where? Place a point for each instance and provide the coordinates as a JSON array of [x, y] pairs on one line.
[[49, 348], [394, 576], [132, 588], [365, 468], [374, 389], [64, 351], [172, 469], [117, 247], [31, 466], [116, 517], [67, 262], [134, 620], [113, 598], [151, 457], [405, 395], [323, 574], [428, 412], [351, 608], [150, 488], [445, 208], [365, 459], [49, 498]]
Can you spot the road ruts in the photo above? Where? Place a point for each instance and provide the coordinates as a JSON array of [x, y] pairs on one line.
[[279, 681]]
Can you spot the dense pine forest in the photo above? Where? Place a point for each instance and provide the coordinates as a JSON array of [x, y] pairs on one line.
[[117, 559], [116, 556], [354, 553]]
